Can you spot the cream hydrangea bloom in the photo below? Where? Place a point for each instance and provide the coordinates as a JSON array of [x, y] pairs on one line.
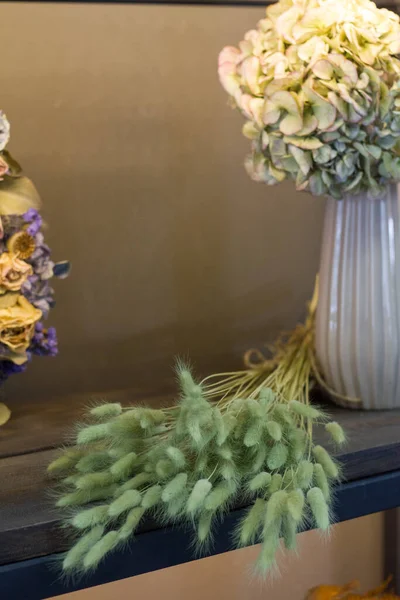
[[318, 83]]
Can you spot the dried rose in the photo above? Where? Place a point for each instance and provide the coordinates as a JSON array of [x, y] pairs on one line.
[[4, 168], [17, 324], [13, 272]]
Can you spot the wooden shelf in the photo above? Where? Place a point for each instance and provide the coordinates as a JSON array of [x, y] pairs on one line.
[[30, 531]]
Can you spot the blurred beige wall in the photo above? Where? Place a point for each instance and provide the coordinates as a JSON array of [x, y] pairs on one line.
[[118, 116], [354, 551]]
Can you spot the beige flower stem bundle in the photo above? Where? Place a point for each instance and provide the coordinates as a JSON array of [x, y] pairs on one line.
[[236, 437]]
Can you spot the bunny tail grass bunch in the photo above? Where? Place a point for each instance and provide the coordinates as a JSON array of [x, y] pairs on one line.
[[235, 439], [318, 84]]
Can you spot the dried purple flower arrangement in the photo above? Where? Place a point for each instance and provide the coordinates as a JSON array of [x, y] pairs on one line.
[[26, 268]]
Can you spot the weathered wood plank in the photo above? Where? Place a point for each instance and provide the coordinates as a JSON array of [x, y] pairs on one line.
[[44, 424]]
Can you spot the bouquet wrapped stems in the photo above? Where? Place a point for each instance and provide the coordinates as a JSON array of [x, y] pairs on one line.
[[234, 437]]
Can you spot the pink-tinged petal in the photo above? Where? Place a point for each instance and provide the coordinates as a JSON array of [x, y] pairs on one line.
[[229, 55], [251, 71]]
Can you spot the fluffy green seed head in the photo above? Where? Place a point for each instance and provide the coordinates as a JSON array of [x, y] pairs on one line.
[[276, 483], [91, 517], [298, 443], [267, 557], [93, 433], [189, 387], [204, 528], [289, 530], [225, 452], [127, 425], [73, 558], [81, 497], [259, 459], [218, 497], [304, 474], [305, 410], [289, 480], [330, 467], [274, 430], [276, 507], [94, 480], [174, 487], [127, 500], [150, 418], [229, 424], [165, 468], [124, 467], [229, 470], [152, 497], [175, 509], [202, 463], [198, 495], [260, 481], [251, 525], [266, 396], [319, 508], [282, 414], [253, 434], [295, 505], [131, 523], [177, 456], [277, 456], [100, 549], [219, 426], [135, 483], [64, 463], [95, 461], [71, 479], [106, 411], [336, 432], [321, 481]]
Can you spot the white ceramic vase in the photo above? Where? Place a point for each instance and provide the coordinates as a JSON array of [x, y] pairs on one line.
[[358, 315]]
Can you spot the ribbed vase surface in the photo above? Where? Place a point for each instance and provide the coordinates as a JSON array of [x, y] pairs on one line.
[[358, 316]]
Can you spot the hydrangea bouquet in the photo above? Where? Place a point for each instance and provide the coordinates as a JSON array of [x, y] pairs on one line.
[[318, 84], [26, 269]]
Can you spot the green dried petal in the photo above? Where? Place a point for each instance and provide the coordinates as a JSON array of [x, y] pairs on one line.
[[323, 69], [323, 110], [306, 143], [317, 186], [324, 154], [310, 124], [302, 158]]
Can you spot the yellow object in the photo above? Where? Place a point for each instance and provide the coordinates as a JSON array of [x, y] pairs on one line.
[[21, 244], [349, 592], [5, 414], [17, 325]]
